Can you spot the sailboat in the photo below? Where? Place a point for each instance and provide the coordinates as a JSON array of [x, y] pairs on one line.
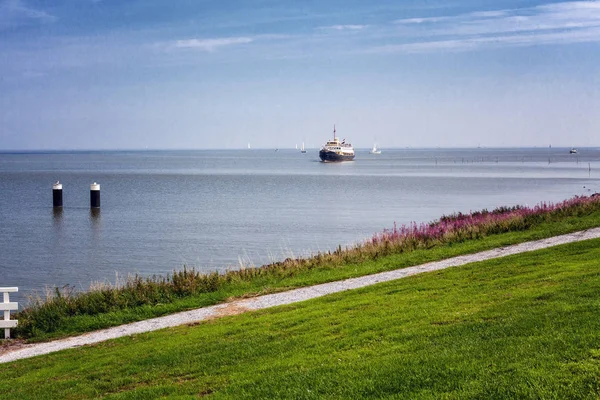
[[302, 150], [374, 150]]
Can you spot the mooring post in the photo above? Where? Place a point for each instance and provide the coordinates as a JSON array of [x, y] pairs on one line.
[[95, 195], [57, 198]]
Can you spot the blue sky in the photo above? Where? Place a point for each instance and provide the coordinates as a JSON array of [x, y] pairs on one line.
[[98, 74]]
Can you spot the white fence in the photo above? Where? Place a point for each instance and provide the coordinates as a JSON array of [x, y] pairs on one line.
[[7, 307]]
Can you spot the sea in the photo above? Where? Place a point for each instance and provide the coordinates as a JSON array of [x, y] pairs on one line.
[[219, 210]]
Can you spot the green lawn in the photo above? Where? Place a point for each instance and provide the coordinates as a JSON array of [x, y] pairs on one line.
[[523, 327], [286, 279]]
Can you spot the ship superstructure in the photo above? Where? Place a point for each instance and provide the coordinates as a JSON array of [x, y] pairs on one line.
[[336, 150]]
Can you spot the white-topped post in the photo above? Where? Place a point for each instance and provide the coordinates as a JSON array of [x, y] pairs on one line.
[[95, 195], [7, 307]]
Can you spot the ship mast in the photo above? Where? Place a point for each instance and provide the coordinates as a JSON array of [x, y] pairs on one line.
[[334, 132]]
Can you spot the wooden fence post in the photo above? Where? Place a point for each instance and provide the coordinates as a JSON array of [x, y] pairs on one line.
[[7, 307]]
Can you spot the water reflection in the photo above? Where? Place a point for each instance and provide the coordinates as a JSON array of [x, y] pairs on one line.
[[96, 225], [57, 217], [95, 218]]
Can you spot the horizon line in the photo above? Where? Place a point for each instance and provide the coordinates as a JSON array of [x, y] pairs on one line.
[[42, 151]]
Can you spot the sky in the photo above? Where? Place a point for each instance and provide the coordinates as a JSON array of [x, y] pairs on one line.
[[220, 74]]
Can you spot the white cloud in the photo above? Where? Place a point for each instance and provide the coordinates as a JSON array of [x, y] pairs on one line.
[[211, 45], [557, 23], [346, 27], [421, 20], [475, 43], [489, 14]]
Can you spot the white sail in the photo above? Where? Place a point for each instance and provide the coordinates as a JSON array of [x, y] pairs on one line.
[[374, 149]]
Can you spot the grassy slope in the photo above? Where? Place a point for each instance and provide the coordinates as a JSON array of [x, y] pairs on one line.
[[269, 284], [525, 326]]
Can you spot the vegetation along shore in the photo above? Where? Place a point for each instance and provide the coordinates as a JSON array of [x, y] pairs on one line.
[[520, 327], [66, 312]]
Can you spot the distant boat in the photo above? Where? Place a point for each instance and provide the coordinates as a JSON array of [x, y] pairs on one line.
[[248, 145], [573, 151], [374, 150], [334, 150], [302, 148]]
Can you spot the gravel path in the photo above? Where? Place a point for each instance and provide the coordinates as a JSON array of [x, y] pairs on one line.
[[271, 300]]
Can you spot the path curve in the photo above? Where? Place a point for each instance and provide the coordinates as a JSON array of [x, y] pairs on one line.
[[288, 297]]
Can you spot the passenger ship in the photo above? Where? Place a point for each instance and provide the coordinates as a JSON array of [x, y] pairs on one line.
[[334, 150]]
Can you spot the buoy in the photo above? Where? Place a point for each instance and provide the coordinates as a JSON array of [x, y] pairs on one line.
[[95, 195], [57, 200]]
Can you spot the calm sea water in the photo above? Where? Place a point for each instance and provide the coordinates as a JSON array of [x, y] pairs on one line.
[[214, 209]]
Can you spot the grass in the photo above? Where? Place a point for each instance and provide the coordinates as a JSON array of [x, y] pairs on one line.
[[66, 312], [524, 326]]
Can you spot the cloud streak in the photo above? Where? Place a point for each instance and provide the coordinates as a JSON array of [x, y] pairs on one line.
[[348, 27], [14, 13], [558, 23], [550, 24], [478, 43], [211, 45]]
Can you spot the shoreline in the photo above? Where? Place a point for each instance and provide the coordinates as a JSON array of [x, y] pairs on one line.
[[66, 312], [283, 298]]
